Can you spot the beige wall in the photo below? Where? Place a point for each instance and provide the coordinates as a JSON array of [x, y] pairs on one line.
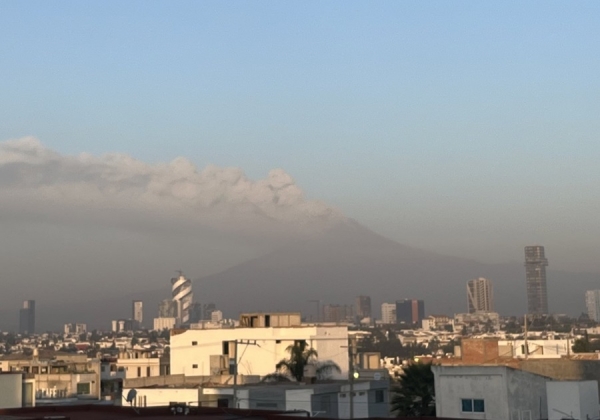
[[11, 390]]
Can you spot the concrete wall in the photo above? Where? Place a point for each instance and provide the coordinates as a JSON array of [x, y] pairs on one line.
[[572, 399], [11, 390], [160, 397], [138, 368], [190, 350], [526, 395], [178, 380], [63, 385], [453, 383]]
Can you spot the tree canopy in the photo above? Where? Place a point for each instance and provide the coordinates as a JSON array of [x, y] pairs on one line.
[[414, 396]]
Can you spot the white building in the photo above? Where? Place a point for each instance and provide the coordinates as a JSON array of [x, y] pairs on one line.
[[536, 349], [216, 316], [592, 303], [138, 364], [257, 345], [330, 400], [76, 329], [388, 313], [484, 392], [164, 323]]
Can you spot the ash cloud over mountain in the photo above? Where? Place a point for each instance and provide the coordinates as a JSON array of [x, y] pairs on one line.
[[225, 198]]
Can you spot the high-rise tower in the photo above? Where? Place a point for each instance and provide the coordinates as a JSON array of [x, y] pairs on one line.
[[535, 272], [27, 317], [479, 295], [137, 313], [592, 302], [181, 288]]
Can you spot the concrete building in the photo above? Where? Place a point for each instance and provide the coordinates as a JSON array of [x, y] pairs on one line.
[[27, 317], [216, 316], [164, 323], [388, 313], [338, 313], [75, 329], [479, 295], [58, 375], [181, 288], [141, 364], [535, 272], [592, 303], [137, 313], [328, 400], [363, 307], [257, 345], [167, 309], [410, 311], [16, 390], [482, 392]]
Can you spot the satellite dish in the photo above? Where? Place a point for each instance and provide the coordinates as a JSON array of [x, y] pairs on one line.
[[131, 395]]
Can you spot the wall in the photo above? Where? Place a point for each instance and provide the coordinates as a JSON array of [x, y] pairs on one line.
[[453, 383], [131, 367], [150, 397], [573, 399], [63, 385], [257, 359], [526, 395], [11, 390]]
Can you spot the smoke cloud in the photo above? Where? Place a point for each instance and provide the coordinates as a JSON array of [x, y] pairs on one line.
[[35, 179]]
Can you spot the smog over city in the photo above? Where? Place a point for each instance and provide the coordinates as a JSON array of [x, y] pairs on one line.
[[286, 156]]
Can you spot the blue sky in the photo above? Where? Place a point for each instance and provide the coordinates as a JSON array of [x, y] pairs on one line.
[[470, 128]]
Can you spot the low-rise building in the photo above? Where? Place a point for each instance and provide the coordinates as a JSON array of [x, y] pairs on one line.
[[140, 363], [256, 346], [16, 390]]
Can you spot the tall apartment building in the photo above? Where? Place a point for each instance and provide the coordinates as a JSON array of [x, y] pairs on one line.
[[363, 307], [592, 303], [535, 272], [181, 288], [27, 317], [410, 311], [137, 312], [480, 295], [167, 309], [388, 313], [338, 313]]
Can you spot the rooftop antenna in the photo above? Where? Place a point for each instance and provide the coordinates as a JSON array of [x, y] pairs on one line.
[[179, 272]]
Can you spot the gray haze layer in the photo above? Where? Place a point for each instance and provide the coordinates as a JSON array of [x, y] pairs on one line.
[[85, 235]]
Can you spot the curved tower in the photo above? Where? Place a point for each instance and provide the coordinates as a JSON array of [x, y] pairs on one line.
[[181, 288]]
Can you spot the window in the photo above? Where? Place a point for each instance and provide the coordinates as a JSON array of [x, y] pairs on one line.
[[139, 372], [472, 405], [148, 371], [83, 388], [194, 343], [379, 396], [194, 366]]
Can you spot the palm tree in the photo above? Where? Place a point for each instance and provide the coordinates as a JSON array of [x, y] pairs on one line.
[[415, 394], [301, 355]]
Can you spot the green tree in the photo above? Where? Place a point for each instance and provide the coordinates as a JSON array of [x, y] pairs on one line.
[[415, 394], [581, 346], [301, 355]]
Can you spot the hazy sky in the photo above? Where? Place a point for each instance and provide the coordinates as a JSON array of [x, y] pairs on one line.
[[467, 128]]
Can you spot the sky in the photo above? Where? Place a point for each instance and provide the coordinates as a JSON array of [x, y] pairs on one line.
[[465, 128]]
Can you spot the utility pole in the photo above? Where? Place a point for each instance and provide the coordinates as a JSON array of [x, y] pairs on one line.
[[352, 347], [525, 336], [235, 365]]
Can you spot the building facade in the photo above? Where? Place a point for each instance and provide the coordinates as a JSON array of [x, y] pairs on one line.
[[479, 295], [338, 313], [137, 312], [27, 317], [167, 309], [592, 303], [388, 313], [410, 311], [181, 288], [535, 272], [363, 307], [256, 346]]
